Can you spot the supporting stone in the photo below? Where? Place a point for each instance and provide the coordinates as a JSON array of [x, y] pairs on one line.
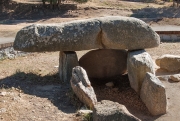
[[153, 94], [138, 62], [67, 61]]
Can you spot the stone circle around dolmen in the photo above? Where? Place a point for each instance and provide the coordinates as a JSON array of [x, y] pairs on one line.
[[129, 36]]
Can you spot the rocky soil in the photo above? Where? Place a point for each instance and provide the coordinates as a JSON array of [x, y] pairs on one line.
[[30, 88]]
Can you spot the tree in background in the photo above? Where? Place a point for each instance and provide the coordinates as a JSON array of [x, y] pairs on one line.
[[52, 2], [3, 3], [58, 2], [174, 3]]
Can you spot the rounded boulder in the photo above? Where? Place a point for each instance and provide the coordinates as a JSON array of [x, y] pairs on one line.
[[169, 62], [104, 63]]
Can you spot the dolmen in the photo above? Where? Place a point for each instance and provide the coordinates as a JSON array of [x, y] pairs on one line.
[[118, 45]]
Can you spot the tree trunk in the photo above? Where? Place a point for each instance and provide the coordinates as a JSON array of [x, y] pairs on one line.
[[43, 3], [1, 7], [177, 3], [51, 4], [59, 2]]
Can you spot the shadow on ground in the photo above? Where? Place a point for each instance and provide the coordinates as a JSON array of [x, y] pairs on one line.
[[167, 12], [45, 87], [61, 95], [122, 93]]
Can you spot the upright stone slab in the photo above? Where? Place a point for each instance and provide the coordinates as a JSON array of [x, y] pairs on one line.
[[138, 63], [67, 61], [82, 87], [112, 111], [153, 95]]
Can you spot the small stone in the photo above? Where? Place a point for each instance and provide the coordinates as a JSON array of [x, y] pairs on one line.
[[2, 110], [3, 101], [3, 93], [15, 98], [84, 112], [11, 56], [175, 77], [20, 95], [115, 89], [110, 84], [56, 66]]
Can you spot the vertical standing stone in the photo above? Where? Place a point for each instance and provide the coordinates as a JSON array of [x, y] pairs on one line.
[[138, 63], [153, 94], [82, 87], [67, 61]]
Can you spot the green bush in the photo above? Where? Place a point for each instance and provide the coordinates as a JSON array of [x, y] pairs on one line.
[[80, 1]]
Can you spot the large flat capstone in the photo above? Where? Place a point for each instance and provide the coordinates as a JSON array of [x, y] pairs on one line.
[[69, 36], [112, 32], [127, 33]]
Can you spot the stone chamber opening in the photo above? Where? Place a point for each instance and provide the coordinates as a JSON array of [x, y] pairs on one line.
[[107, 72]]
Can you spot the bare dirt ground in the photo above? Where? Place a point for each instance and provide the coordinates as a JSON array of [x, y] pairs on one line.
[[30, 88]]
